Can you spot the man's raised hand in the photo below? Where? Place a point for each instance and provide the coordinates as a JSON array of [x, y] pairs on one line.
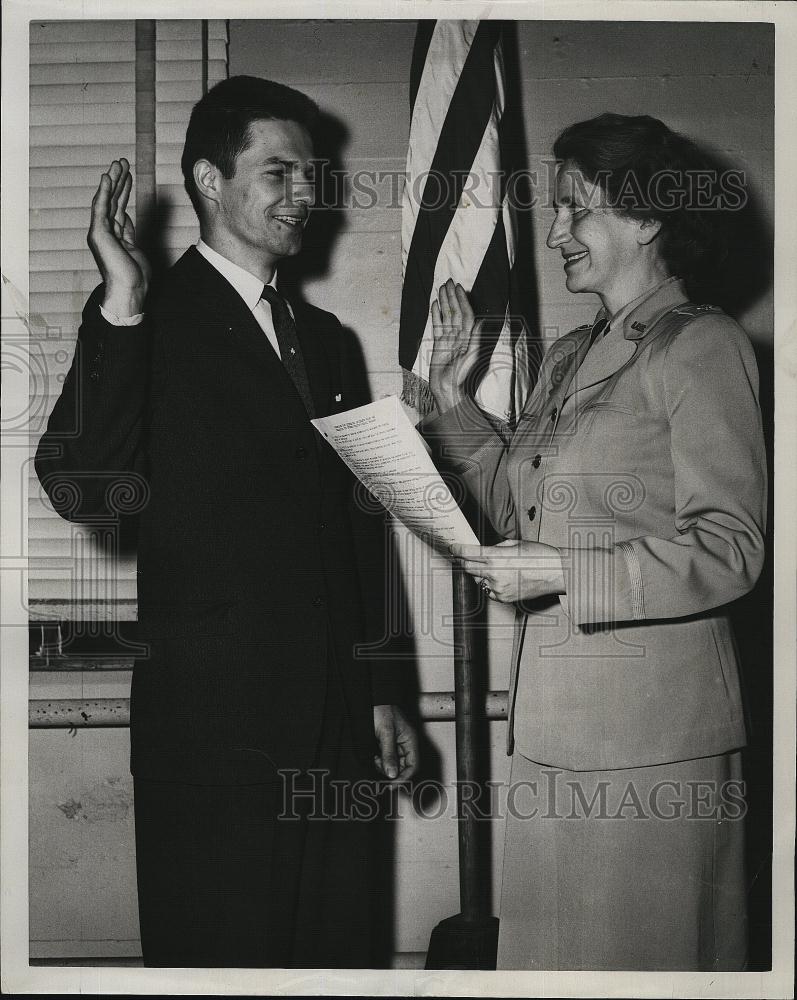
[[112, 241]]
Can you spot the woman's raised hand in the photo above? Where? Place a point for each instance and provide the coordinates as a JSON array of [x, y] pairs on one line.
[[456, 345], [112, 241]]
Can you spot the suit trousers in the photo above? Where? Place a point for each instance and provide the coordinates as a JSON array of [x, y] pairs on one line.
[[630, 869], [255, 876]]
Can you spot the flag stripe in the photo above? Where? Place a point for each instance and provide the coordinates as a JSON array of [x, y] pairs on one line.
[[457, 221], [423, 39], [504, 388], [471, 233], [457, 147], [467, 239], [490, 293], [445, 58]]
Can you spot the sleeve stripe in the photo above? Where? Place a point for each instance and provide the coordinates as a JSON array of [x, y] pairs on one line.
[[635, 573]]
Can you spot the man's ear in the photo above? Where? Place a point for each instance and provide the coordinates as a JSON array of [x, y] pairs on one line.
[[648, 230], [206, 180]]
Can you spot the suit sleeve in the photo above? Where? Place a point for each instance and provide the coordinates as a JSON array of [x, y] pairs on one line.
[[90, 459], [709, 387]]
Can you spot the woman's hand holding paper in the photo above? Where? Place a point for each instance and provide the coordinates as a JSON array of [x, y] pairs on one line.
[[513, 570]]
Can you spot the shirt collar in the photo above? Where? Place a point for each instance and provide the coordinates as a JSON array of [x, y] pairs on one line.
[[248, 285], [644, 307]]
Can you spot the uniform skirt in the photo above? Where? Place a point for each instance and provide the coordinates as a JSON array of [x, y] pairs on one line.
[[630, 869]]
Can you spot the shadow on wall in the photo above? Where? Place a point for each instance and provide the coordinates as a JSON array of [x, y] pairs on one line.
[[151, 227], [327, 220], [742, 274], [742, 280], [752, 619]]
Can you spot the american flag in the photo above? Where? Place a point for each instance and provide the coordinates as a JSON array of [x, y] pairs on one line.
[[456, 219]]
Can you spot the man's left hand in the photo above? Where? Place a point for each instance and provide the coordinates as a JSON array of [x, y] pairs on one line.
[[513, 570], [398, 744]]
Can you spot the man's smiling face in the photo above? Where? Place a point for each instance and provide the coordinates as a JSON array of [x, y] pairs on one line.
[[263, 208]]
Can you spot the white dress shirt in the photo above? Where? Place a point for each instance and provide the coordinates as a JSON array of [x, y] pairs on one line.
[[246, 284], [249, 287]]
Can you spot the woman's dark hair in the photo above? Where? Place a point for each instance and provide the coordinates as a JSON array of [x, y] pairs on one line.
[[648, 171], [218, 129]]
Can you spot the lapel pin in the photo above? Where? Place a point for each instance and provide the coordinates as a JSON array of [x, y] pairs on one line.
[[338, 397], [293, 350], [640, 327]]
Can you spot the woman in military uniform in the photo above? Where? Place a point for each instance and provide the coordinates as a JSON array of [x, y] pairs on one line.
[[631, 500]]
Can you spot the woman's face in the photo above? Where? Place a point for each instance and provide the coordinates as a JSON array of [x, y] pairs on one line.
[[599, 246]]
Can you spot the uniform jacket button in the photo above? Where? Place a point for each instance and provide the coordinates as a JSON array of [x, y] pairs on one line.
[[318, 602], [301, 453]]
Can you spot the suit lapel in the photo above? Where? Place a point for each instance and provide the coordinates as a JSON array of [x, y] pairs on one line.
[[215, 297]]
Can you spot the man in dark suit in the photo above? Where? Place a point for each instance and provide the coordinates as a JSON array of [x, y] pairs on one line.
[[261, 579]]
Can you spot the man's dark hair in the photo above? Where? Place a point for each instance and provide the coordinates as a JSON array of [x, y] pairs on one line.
[[647, 171], [219, 127]]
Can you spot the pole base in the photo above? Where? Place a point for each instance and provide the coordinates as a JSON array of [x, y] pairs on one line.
[[457, 943]]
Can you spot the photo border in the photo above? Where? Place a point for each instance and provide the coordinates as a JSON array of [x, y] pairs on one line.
[[18, 976]]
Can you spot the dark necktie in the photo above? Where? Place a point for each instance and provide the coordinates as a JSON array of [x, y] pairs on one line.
[[288, 341], [598, 331]]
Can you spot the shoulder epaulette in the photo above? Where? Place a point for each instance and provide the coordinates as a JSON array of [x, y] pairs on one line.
[[691, 309]]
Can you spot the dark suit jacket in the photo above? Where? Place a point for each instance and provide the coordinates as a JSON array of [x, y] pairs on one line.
[[256, 566]]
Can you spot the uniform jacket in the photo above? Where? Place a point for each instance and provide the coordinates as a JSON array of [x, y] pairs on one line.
[[643, 462], [256, 565]]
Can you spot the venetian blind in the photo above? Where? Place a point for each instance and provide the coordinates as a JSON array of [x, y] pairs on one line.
[[179, 83], [83, 115]]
